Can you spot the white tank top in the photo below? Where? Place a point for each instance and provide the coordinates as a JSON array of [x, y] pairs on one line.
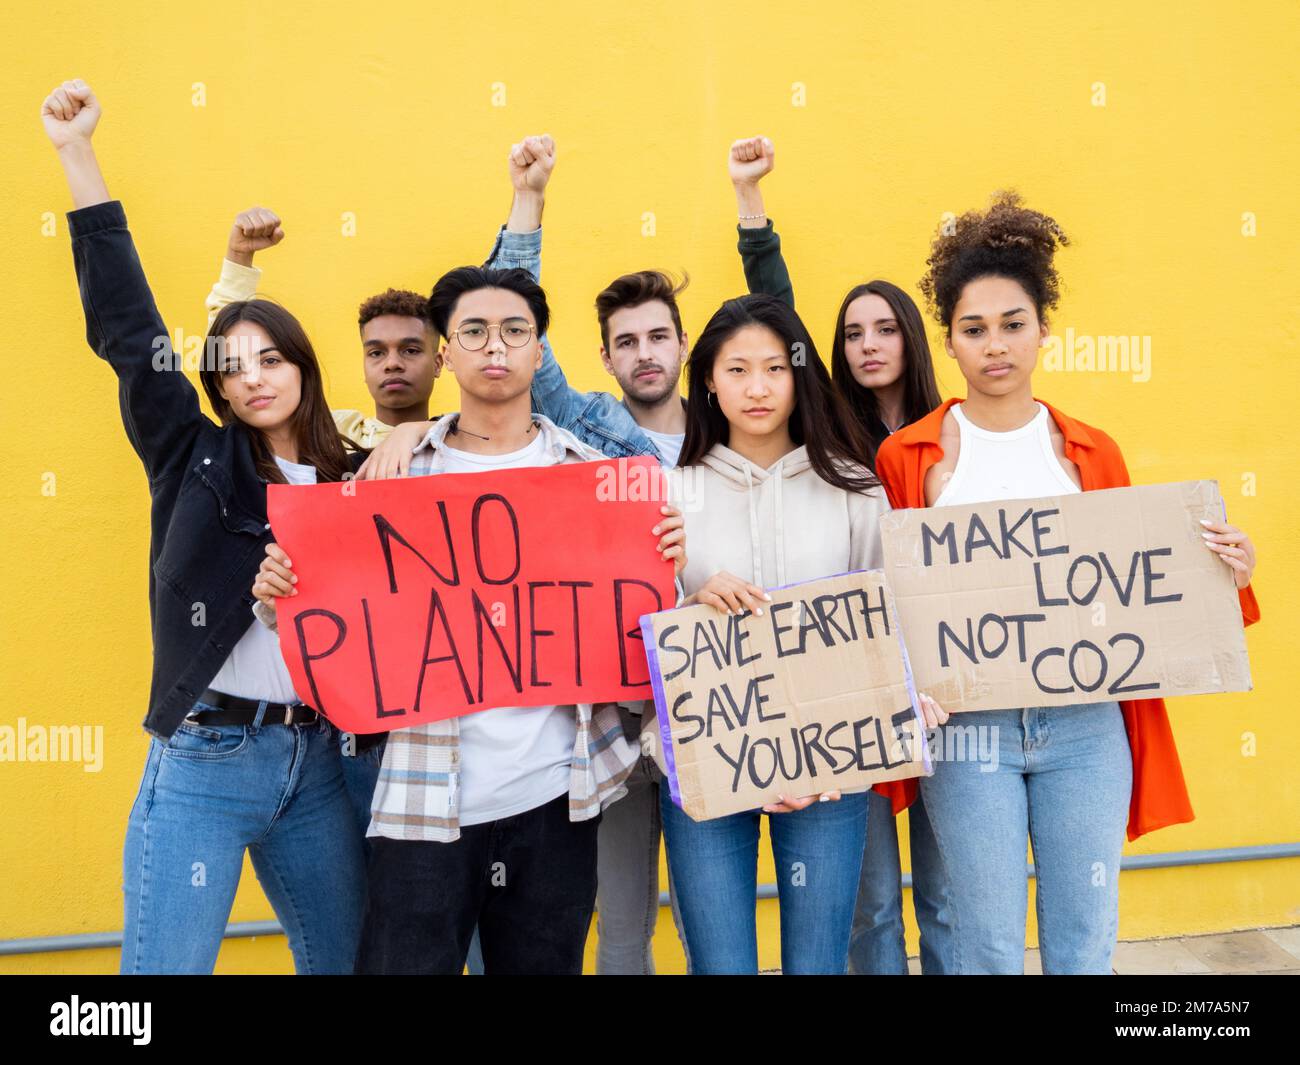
[[1019, 464]]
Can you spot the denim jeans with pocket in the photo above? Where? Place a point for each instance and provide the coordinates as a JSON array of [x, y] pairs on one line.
[[714, 869], [208, 795], [1062, 781]]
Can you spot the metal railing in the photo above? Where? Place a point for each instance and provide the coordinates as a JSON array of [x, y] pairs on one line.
[[248, 929]]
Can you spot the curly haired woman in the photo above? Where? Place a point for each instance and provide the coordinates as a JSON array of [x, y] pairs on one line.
[[1067, 778]]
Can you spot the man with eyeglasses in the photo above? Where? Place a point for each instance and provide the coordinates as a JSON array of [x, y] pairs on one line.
[[482, 819], [643, 348]]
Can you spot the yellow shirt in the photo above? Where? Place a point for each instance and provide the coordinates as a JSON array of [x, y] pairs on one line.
[[240, 283], [363, 431]]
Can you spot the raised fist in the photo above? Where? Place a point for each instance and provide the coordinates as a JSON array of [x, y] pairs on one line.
[[255, 230], [750, 159], [531, 163], [70, 113]]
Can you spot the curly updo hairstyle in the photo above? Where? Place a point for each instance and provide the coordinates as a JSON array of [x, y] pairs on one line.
[[1008, 240]]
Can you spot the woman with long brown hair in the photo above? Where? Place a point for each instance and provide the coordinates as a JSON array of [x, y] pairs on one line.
[[236, 762], [778, 491]]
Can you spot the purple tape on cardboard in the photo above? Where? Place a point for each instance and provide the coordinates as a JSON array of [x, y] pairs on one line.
[[661, 708]]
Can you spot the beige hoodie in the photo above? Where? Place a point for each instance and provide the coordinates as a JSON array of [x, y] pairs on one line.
[[773, 527]]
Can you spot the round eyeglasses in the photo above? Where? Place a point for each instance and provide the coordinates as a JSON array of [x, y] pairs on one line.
[[514, 333]]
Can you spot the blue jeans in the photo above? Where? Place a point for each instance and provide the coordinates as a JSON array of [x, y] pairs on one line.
[[877, 947], [1062, 780], [206, 796], [360, 775], [713, 866]]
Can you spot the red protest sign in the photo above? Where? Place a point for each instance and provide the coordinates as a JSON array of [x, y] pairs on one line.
[[430, 597]]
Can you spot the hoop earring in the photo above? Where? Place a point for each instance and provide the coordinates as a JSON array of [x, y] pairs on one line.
[[708, 398]]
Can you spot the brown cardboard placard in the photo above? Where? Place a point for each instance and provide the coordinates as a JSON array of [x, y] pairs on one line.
[[1083, 598], [812, 696]]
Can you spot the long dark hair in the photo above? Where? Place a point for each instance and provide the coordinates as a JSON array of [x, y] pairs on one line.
[[920, 389], [821, 420], [319, 442]]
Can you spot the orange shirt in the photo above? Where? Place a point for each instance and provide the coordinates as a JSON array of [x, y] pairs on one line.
[[1159, 792]]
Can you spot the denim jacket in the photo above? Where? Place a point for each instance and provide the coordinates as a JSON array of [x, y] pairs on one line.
[[596, 418], [208, 526]]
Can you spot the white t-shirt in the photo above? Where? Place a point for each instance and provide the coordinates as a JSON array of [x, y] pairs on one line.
[[513, 758], [255, 668], [1017, 464], [669, 445]]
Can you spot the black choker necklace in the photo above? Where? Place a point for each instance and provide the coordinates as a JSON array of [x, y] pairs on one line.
[[457, 429]]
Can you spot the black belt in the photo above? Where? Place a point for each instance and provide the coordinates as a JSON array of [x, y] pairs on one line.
[[236, 710]]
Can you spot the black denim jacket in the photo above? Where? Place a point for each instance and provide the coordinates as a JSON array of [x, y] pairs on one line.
[[208, 526]]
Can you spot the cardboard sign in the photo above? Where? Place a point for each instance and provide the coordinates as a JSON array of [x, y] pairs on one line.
[[1072, 599], [813, 696], [429, 597]]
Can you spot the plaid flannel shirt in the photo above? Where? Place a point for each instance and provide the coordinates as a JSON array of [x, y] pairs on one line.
[[419, 782]]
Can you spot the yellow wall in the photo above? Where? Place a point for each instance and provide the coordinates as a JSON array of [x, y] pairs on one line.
[[387, 111]]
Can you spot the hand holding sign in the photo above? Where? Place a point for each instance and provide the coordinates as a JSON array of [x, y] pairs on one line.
[[730, 595], [672, 538], [790, 806], [1233, 546], [413, 600], [275, 576]]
